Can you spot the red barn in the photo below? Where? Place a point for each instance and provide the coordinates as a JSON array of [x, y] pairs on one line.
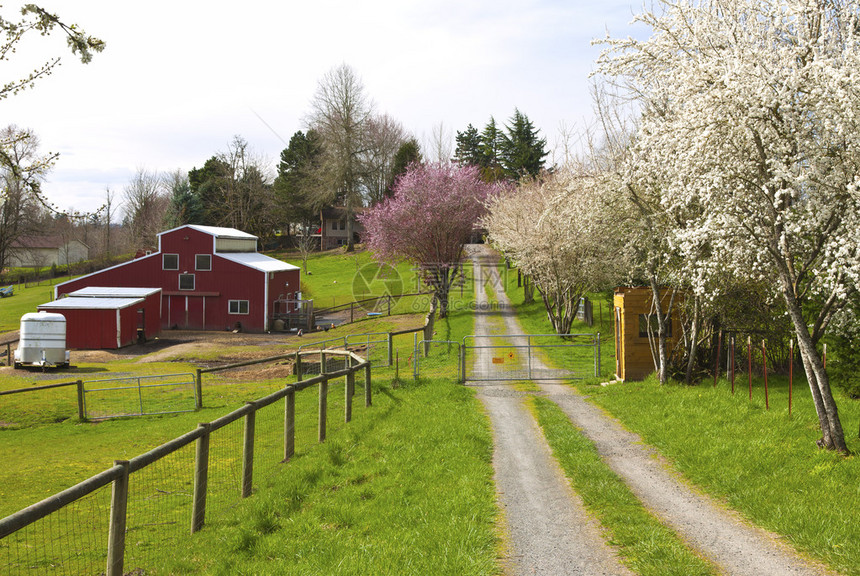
[[211, 278]]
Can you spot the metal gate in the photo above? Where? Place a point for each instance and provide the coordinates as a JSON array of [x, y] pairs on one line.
[[531, 357], [139, 396]]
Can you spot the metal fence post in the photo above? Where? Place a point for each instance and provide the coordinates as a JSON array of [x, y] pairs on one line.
[[289, 424], [201, 479], [248, 451], [198, 390], [367, 394], [81, 411], [323, 407], [529, 353], [598, 355], [116, 534]]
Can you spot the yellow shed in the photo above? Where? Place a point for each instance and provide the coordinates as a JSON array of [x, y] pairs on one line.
[[633, 359]]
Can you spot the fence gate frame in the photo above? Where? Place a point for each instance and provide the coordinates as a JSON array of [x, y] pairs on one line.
[[139, 384], [593, 342]]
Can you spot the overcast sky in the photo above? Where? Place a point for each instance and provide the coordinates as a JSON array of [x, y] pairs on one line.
[[178, 79]]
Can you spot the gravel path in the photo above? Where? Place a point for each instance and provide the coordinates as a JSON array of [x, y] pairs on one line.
[[538, 511], [549, 532]]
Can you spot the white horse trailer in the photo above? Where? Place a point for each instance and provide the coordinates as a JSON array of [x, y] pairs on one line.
[[42, 340]]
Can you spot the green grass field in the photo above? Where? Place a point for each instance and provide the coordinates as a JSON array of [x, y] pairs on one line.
[[761, 462], [395, 452], [23, 301]]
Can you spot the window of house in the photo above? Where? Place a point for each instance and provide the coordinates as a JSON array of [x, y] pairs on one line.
[[644, 321], [186, 281], [170, 261], [203, 262], [237, 306]]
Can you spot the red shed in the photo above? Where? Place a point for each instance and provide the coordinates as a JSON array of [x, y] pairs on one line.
[[210, 278], [93, 323], [149, 313]]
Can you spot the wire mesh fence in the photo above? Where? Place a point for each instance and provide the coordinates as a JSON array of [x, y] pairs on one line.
[[436, 359], [115, 522], [73, 540]]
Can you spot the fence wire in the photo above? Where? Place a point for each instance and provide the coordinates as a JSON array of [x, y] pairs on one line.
[[437, 359], [159, 508], [71, 541]]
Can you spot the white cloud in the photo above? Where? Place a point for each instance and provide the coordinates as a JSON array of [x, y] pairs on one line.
[[179, 79]]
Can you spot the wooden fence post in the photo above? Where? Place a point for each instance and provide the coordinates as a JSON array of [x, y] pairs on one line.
[[289, 424], [116, 533], [764, 370], [201, 479], [9, 361], [323, 407], [198, 390], [717, 363], [298, 366], [790, 372], [390, 349], [347, 410], [749, 362], [248, 451], [81, 412], [367, 394]]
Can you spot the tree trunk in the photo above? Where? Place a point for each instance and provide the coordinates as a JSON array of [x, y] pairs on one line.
[[662, 366], [694, 341], [528, 289], [832, 435]]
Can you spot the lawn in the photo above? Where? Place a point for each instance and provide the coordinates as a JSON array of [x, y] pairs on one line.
[[24, 300], [762, 462], [369, 495]]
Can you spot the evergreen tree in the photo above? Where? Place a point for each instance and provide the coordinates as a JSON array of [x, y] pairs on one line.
[[468, 151], [409, 153], [521, 151], [492, 141], [295, 185]]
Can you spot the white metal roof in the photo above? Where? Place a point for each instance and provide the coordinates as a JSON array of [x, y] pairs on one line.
[[90, 303], [218, 231], [258, 261], [113, 292]]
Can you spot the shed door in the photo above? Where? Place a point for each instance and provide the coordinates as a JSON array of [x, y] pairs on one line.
[[619, 353]]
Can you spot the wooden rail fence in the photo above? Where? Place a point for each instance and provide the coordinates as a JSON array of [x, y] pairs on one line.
[[120, 475]]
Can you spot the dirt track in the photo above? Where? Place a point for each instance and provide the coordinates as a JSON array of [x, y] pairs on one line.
[[549, 533]]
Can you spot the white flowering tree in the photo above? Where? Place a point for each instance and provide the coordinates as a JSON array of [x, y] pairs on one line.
[[555, 229], [751, 113]]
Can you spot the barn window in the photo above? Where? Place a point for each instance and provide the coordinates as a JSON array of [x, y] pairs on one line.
[[203, 262], [645, 319], [237, 306], [186, 281], [170, 262]]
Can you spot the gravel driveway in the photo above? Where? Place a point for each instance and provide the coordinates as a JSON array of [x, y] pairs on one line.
[[548, 531]]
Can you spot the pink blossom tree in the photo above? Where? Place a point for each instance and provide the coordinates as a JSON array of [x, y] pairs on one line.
[[428, 221]]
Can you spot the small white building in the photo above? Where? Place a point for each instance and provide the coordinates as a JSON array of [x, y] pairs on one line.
[[46, 251]]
